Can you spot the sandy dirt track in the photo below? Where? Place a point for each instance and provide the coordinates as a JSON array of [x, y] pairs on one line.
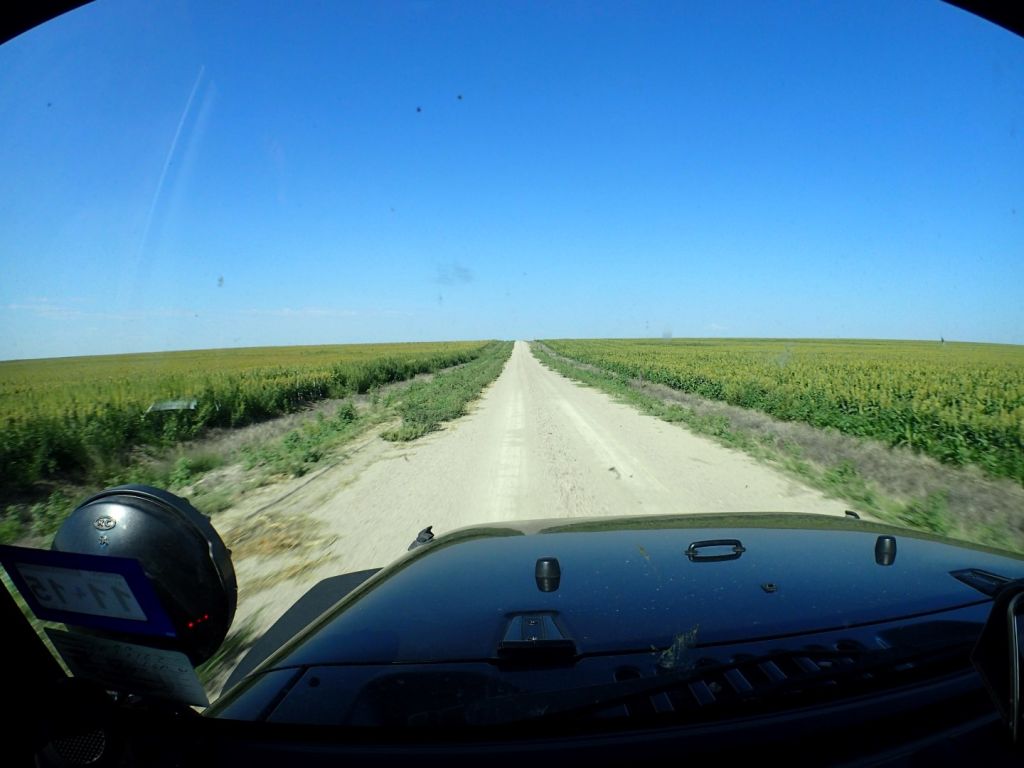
[[535, 445], [538, 445]]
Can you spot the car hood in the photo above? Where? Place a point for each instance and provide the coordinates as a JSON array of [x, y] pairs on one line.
[[637, 584]]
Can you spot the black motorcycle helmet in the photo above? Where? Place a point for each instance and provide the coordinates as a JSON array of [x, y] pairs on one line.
[[180, 552]]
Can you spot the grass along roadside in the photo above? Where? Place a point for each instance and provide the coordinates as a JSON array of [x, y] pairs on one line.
[[425, 405], [214, 473], [81, 419], [960, 403], [893, 485], [422, 407]]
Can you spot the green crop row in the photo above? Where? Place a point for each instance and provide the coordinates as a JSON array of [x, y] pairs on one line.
[[960, 403], [69, 418]]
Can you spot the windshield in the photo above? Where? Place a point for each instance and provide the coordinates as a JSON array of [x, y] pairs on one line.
[[336, 272]]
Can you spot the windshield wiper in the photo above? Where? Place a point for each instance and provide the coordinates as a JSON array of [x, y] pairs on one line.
[[828, 668]]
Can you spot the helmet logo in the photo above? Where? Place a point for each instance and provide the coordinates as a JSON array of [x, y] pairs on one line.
[[104, 523]]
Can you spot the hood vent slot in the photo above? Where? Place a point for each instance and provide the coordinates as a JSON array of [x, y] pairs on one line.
[[799, 678]]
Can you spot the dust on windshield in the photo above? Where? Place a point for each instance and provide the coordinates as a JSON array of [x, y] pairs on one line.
[[338, 273]]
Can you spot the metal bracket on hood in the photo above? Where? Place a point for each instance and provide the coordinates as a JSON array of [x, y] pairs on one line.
[[423, 537], [535, 635]]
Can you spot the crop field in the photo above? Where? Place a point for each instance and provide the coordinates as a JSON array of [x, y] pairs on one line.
[[65, 417], [958, 402]]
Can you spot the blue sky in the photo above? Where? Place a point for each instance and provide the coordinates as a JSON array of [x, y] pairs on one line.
[[180, 176]]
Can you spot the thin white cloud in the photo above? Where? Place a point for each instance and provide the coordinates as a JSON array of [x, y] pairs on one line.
[[301, 312], [44, 307], [52, 310]]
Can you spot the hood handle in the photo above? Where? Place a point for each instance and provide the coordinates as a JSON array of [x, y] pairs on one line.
[[693, 551]]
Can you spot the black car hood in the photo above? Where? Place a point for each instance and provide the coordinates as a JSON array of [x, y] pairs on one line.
[[630, 585]]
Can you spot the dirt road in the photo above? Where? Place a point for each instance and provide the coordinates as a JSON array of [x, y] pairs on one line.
[[535, 445], [539, 445]]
